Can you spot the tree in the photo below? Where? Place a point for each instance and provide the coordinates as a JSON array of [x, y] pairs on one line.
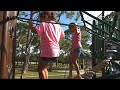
[[66, 43], [24, 40], [27, 51], [21, 40]]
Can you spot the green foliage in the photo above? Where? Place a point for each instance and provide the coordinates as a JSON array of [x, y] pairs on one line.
[[21, 33], [70, 15], [21, 13], [65, 44], [85, 38], [77, 17]]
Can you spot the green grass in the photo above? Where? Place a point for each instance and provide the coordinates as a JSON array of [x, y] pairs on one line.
[[34, 75]]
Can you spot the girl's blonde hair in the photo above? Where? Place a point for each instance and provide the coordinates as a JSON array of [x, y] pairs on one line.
[[50, 14]]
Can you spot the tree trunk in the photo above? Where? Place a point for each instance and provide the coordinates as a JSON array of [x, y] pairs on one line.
[[26, 63]]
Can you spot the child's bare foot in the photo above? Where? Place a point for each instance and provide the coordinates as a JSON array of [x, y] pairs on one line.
[[69, 77], [88, 74], [78, 77]]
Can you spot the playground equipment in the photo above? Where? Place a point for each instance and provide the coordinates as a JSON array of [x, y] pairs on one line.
[[7, 43], [105, 44]]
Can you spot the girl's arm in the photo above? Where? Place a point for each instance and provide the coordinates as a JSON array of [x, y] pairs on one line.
[[32, 27]]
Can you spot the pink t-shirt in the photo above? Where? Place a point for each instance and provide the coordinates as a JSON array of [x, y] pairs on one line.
[[76, 40], [50, 36]]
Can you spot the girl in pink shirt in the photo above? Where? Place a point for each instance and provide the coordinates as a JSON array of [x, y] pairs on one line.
[[75, 50], [50, 34]]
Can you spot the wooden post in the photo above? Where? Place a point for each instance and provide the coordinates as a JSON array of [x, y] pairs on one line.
[[4, 67], [1, 26], [7, 45]]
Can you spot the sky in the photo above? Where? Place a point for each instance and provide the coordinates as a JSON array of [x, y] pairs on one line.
[[96, 14], [86, 17], [64, 20]]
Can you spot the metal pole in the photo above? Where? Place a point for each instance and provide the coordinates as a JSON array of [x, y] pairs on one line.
[[114, 24], [93, 48], [101, 20], [103, 42]]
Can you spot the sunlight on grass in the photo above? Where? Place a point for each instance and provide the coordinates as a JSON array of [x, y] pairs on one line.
[[34, 75]]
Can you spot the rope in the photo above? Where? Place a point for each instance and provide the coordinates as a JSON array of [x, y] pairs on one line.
[[8, 19]]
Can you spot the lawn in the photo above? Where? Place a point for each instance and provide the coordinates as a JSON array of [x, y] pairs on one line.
[[33, 74]]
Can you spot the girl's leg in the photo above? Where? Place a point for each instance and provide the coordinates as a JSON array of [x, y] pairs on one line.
[[42, 70], [46, 73], [70, 67], [75, 62], [75, 58]]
